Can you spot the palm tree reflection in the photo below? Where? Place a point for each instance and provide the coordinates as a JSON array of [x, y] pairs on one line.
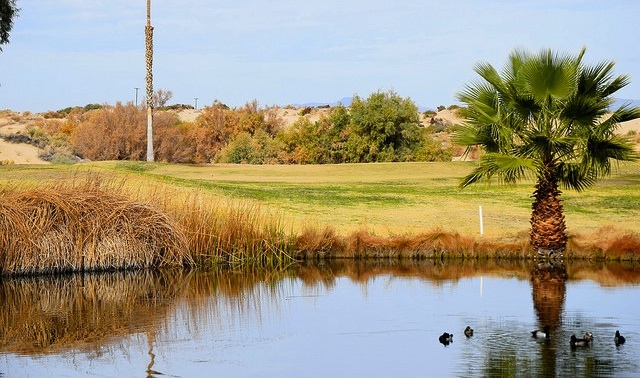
[[548, 283]]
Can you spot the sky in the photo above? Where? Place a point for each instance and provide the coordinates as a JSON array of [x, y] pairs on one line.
[[281, 52]]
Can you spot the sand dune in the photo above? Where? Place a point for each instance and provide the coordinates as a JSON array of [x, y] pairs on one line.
[[18, 153]]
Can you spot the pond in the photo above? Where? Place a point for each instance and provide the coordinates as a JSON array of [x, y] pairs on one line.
[[339, 319]]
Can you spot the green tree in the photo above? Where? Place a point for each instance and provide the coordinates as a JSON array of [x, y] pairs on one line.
[[431, 149], [260, 148], [8, 12], [320, 142], [547, 116], [382, 128]]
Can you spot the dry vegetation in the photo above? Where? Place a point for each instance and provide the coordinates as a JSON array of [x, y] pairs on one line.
[[61, 229], [97, 225]]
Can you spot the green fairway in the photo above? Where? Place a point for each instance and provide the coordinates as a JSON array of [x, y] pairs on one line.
[[384, 198]]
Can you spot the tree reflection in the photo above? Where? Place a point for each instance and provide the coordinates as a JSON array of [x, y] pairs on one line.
[[548, 283], [92, 312]]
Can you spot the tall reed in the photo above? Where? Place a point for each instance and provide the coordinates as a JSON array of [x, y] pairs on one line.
[[232, 232], [84, 228]]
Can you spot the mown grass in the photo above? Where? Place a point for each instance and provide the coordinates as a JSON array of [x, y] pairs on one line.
[[258, 215]]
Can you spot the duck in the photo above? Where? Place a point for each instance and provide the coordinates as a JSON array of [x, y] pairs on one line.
[[446, 338], [468, 331], [542, 334], [588, 337], [576, 342], [619, 339]]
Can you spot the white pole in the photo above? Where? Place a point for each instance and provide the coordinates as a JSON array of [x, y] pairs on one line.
[[481, 223]]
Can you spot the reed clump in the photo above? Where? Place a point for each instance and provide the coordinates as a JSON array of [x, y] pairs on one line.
[[437, 243], [234, 233], [84, 228]]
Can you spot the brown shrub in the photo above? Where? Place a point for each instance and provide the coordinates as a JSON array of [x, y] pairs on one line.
[[120, 133]]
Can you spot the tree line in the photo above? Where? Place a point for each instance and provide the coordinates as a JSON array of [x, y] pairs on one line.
[[384, 127]]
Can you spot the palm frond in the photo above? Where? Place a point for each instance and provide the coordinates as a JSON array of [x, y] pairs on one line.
[[549, 75], [615, 85], [592, 79], [467, 135], [575, 176], [616, 147], [599, 154], [490, 75], [581, 111], [625, 113], [481, 101], [508, 169]]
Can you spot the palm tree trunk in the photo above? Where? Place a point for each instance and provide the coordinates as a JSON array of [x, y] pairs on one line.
[[149, 60], [548, 227]]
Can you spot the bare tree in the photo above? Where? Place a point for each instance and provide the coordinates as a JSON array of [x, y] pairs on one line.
[[162, 97]]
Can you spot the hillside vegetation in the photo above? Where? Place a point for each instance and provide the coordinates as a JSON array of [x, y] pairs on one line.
[[383, 127]]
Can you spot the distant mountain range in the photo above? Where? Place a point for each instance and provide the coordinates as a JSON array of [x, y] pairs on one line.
[[621, 101], [346, 101]]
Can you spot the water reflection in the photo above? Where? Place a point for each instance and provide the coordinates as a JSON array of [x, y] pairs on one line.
[[160, 314], [548, 287], [47, 315]]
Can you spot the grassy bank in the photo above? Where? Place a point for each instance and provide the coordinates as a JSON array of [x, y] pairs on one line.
[[271, 214]]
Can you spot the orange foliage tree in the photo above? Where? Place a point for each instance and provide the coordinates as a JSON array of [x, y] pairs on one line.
[[218, 125], [117, 133]]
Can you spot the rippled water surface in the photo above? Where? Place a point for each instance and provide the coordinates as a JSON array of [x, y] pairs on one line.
[[338, 320]]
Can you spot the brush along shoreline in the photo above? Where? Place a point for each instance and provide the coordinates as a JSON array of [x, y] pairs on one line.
[[88, 227]]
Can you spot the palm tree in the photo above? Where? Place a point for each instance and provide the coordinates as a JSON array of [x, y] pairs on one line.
[[149, 60], [547, 116]]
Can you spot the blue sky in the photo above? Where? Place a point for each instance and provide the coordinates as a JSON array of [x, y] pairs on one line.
[[74, 52]]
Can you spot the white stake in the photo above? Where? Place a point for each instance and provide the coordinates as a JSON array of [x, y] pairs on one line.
[[481, 223]]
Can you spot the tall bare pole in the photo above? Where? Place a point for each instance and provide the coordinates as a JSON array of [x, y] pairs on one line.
[[148, 31]]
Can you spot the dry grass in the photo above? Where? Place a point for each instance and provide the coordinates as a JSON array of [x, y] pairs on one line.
[[606, 244], [433, 244], [221, 231], [84, 228]]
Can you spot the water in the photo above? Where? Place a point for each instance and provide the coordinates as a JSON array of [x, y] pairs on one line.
[[339, 320]]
